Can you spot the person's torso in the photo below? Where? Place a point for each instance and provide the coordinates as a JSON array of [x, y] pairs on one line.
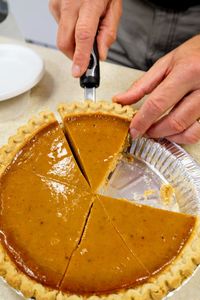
[[175, 4]]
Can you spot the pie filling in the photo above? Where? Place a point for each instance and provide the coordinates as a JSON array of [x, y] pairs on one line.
[[103, 260], [107, 142], [159, 235], [64, 236]]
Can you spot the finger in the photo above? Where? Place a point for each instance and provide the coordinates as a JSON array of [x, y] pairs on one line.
[[189, 136], [108, 28], [160, 100], [54, 7], [86, 29], [181, 117], [66, 28], [146, 84]]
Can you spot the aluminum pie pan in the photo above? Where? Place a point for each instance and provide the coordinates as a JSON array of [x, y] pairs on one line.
[[153, 164], [158, 163]]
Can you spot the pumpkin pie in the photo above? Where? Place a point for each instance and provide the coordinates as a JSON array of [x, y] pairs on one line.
[[59, 239], [101, 125]]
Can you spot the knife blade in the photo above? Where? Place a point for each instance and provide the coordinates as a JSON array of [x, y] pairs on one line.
[[90, 80]]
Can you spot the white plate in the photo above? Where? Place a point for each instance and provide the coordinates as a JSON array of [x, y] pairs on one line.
[[20, 69]]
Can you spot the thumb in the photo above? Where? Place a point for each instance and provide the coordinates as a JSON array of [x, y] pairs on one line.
[[108, 28], [146, 84]]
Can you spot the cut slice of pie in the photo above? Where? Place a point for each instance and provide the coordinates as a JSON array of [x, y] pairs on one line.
[[44, 205], [102, 263], [46, 153], [158, 238], [98, 134]]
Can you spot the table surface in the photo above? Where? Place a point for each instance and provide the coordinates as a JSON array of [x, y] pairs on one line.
[[58, 86]]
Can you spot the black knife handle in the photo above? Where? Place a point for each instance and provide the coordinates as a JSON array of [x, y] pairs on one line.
[[91, 78]]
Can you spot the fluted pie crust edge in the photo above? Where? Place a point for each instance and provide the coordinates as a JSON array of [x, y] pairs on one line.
[[101, 107]]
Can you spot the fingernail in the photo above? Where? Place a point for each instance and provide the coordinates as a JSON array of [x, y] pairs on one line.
[[116, 98], [134, 133], [76, 71]]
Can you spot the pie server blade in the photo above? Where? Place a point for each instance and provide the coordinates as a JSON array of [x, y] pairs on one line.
[[90, 80]]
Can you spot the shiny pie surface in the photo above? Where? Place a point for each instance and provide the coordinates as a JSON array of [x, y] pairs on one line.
[[159, 235]]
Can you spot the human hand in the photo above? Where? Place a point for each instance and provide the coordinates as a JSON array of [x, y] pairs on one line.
[[78, 22], [173, 82]]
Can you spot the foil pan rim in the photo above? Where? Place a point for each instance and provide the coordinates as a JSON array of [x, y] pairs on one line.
[[187, 161], [173, 163]]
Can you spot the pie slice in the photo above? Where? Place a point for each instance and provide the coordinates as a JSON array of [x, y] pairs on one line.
[[102, 263], [46, 152], [42, 213], [98, 134], [158, 238]]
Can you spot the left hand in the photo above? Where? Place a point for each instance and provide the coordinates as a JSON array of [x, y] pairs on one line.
[[173, 82]]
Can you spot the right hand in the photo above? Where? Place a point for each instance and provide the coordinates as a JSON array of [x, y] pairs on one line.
[[78, 22]]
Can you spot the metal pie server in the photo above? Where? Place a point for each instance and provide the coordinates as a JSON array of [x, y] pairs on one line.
[[90, 80]]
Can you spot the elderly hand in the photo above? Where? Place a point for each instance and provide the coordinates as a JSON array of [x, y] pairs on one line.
[[78, 22], [173, 82]]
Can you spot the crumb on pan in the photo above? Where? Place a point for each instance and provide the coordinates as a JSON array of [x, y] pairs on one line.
[[149, 192], [166, 193]]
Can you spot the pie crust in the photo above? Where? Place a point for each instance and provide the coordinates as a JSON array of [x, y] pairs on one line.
[[157, 287], [102, 107]]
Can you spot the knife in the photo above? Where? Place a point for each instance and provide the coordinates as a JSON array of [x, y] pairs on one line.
[[90, 80]]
